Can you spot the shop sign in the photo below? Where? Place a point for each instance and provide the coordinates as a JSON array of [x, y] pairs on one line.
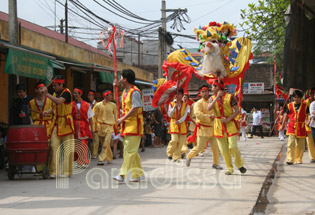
[[28, 65], [253, 88], [147, 95]]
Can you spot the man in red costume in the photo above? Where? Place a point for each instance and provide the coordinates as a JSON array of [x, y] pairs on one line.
[[82, 119], [296, 111]]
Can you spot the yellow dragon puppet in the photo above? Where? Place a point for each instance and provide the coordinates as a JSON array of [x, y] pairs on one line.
[[224, 58]]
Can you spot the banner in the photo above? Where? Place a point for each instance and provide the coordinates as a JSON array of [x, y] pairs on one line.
[[147, 95], [28, 65]]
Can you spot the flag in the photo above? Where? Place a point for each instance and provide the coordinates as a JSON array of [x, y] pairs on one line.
[[279, 90], [238, 92]]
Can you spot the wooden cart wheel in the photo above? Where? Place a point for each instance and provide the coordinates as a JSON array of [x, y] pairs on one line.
[[45, 173], [11, 172]]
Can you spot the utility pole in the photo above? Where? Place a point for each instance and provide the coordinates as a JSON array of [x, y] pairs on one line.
[[55, 17], [162, 45], [66, 18], [13, 28], [61, 26], [162, 33], [13, 23]]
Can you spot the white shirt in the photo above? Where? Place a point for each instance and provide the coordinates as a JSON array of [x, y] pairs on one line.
[[256, 117], [171, 111], [312, 110], [90, 112]]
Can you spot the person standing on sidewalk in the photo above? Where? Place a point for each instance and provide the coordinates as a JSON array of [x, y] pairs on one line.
[[225, 127], [177, 111], [243, 124], [63, 129], [309, 138], [19, 112], [106, 116], [296, 111], [257, 123], [131, 123], [204, 129], [82, 120], [280, 120]]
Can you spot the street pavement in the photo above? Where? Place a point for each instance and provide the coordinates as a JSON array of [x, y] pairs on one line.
[[293, 191], [169, 188]]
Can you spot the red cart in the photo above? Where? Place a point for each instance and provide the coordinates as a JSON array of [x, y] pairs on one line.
[[27, 145]]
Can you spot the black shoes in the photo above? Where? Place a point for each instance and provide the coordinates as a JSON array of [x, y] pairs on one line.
[[242, 170], [170, 158], [289, 163], [183, 155], [214, 166]]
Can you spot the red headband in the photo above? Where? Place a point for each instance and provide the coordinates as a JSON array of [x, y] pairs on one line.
[[221, 86], [91, 93], [40, 85], [204, 88], [59, 81], [107, 93], [78, 90]]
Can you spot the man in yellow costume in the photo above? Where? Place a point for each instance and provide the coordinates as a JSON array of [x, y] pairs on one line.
[[105, 113], [225, 127], [309, 138], [38, 105], [131, 123], [62, 130], [177, 111], [204, 129]]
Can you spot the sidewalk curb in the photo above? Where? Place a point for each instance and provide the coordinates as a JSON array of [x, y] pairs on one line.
[[262, 199]]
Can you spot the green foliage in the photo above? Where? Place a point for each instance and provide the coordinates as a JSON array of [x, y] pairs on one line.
[[264, 23]]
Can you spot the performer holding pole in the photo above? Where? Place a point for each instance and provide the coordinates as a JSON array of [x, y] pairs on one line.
[[204, 129], [63, 129], [225, 127], [131, 127], [178, 111]]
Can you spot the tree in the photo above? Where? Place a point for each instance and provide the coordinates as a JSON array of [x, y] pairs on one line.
[[264, 23]]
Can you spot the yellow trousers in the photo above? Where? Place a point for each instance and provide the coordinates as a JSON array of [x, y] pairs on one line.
[[64, 154], [201, 144], [132, 160], [96, 143], [296, 148], [228, 148], [106, 153], [311, 147], [184, 148], [175, 146]]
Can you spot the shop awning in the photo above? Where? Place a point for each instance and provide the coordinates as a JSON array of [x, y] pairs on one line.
[[27, 64], [57, 65], [143, 83], [106, 77]]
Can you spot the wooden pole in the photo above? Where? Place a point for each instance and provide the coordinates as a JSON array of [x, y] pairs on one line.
[[116, 76]]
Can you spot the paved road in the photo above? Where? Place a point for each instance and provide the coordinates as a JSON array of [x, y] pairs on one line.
[[170, 188], [293, 191]]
